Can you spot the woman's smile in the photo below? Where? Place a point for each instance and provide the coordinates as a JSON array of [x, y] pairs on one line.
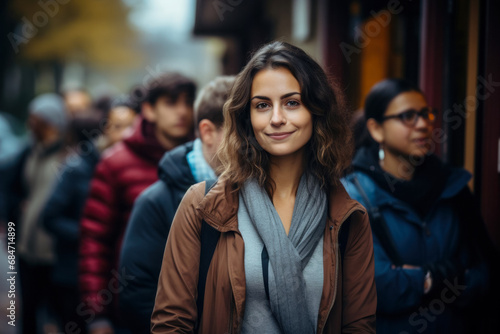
[[280, 135]]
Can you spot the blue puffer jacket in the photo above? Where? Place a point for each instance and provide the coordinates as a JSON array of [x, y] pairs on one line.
[[402, 307]]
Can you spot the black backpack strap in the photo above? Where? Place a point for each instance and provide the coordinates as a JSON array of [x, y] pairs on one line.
[[209, 238], [379, 227]]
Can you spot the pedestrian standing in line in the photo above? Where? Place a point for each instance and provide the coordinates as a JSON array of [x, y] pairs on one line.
[[280, 209], [427, 229], [154, 209], [32, 177], [124, 171], [62, 213]]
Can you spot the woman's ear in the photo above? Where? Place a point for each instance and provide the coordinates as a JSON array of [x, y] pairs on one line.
[[147, 112], [376, 130]]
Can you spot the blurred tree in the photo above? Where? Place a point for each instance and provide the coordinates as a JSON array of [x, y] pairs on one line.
[[93, 31]]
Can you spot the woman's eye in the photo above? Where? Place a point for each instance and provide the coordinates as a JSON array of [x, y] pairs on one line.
[[408, 115], [292, 103], [261, 105]]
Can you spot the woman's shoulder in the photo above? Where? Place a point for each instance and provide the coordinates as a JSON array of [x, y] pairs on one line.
[[206, 193], [362, 177], [355, 181], [220, 204], [457, 180], [188, 209], [195, 193]]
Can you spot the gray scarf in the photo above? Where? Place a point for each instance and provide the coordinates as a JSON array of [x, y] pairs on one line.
[[288, 255]]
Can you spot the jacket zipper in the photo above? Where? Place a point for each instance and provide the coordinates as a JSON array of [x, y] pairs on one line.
[[231, 313], [337, 256]]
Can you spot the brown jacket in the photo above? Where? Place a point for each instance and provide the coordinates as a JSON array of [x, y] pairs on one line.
[[348, 302]]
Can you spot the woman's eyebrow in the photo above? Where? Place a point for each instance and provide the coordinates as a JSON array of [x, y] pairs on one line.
[[281, 97], [288, 95]]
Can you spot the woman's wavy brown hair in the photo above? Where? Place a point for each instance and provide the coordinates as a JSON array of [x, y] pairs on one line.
[[329, 150]]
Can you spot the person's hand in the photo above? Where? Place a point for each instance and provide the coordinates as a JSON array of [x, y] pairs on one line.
[[428, 276], [427, 282], [406, 266], [445, 270], [102, 330], [410, 266]]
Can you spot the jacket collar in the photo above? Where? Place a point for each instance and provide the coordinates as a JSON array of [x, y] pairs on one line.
[[456, 181], [173, 168], [142, 141], [341, 205], [219, 208]]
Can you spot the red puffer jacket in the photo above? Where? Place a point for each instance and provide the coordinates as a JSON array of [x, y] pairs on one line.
[[125, 170]]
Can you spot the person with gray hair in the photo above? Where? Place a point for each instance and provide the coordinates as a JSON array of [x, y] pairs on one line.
[[154, 209], [34, 172]]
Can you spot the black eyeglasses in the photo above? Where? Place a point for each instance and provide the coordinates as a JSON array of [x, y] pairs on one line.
[[410, 117]]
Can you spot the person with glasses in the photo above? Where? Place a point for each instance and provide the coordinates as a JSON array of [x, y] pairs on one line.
[[425, 224]]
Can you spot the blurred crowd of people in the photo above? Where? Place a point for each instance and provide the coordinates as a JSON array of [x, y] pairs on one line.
[[95, 189]]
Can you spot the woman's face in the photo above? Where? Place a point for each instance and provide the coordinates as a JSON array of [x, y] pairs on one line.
[[281, 123], [400, 139]]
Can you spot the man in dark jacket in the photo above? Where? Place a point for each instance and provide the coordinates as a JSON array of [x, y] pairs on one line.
[[125, 170], [154, 210]]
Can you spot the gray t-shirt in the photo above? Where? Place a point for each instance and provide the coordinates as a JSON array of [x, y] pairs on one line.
[[258, 317]]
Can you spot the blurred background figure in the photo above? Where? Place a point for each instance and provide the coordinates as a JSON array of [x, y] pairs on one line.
[[429, 238], [77, 100], [102, 104], [154, 210], [124, 171], [11, 143], [11, 139], [61, 218], [31, 178], [119, 121]]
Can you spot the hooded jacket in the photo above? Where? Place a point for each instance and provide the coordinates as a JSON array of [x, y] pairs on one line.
[[348, 300], [125, 170], [147, 231], [420, 238]]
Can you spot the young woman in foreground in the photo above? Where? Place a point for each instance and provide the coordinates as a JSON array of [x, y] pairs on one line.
[[279, 206]]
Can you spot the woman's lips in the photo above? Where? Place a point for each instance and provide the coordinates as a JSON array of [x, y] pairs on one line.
[[280, 135], [421, 141]]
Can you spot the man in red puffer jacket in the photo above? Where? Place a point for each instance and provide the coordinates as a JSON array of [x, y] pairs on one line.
[[125, 170]]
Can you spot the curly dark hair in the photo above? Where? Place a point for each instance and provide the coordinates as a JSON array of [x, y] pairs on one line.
[[330, 147]]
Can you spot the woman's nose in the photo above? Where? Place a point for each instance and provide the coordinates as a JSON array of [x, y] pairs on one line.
[[278, 116], [422, 122]]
